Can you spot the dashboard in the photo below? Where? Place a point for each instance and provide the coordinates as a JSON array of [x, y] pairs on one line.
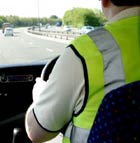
[[16, 83]]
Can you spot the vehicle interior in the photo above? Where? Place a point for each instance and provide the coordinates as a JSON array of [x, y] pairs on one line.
[[41, 31]]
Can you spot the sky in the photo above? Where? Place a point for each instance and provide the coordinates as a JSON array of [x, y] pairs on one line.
[[43, 8]]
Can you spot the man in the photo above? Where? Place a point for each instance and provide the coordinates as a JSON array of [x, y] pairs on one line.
[[90, 67]]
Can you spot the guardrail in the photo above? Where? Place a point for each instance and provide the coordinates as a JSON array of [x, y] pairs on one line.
[[67, 35]]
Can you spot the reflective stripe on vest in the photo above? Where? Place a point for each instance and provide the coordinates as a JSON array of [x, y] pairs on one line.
[[130, 45]]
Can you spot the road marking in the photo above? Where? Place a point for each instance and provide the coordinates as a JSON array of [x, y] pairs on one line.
[[50, 50]]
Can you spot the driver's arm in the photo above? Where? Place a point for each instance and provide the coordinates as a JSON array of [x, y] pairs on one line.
[[32, 127]]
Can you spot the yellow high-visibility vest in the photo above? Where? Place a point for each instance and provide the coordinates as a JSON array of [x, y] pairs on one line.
[[86, 48]]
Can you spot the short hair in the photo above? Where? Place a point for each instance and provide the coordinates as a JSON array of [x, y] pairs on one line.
[[126, 2]]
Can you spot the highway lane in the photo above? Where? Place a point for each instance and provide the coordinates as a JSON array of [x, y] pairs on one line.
[[26, 48]]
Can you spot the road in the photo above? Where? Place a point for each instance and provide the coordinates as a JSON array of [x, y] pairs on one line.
[[26, 48]]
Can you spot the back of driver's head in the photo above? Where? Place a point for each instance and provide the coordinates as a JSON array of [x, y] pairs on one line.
[[126, 2]]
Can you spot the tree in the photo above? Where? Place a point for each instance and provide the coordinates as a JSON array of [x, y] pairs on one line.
[[1, 22], [79, 17], [53, 17], [101, 16]]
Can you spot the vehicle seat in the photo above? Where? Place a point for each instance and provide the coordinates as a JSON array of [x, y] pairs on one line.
[[118, 117]]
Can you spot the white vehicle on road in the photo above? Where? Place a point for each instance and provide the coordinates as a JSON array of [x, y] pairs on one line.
[[8, 31]]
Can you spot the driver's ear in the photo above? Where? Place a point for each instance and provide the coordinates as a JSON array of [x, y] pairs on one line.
[[105, 3]]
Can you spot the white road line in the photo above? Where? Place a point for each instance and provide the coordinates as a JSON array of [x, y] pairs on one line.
[[50, 50]]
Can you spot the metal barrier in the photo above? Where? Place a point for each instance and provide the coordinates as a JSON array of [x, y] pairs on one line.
[[67, 35]]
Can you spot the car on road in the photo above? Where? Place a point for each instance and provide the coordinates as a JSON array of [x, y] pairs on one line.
[[8, 31], [67, 28], [86, 29]]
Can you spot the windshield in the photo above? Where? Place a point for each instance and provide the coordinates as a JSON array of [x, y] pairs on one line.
[[36, 30]]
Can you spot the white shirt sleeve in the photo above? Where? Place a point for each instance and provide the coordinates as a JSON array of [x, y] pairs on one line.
[[62, 95]]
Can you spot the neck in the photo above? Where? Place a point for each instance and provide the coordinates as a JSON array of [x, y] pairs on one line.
[[113, 10]]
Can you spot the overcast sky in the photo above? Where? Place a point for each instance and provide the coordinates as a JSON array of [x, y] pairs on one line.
[[43, 8]]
